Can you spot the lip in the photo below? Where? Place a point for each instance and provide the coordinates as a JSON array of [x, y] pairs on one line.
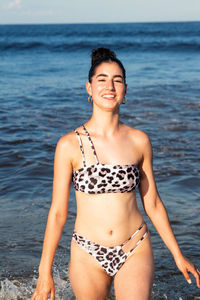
[[108, 96]]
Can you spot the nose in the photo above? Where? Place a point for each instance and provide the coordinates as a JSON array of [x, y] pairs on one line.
[[110, 85]]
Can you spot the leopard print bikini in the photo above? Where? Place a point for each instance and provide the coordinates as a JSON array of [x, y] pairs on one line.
[[111, 259], [105, 178]]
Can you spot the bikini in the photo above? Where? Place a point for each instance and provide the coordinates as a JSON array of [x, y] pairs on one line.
[[105, 178]]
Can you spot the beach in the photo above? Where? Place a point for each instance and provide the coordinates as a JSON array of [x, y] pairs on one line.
[[43, 70]]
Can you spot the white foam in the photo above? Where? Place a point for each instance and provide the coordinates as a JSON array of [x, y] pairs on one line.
[[22, 289], [14, 290]]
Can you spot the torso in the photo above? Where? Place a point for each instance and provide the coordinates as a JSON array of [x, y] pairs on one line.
[[108, 218]]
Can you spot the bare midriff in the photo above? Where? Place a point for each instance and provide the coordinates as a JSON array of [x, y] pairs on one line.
[[107, 219]]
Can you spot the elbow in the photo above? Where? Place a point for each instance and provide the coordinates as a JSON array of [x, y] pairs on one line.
[[58, 218], [153, 207], [149, 210], [61, 220]]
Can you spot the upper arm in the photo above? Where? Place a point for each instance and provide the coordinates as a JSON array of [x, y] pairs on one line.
[[62, 177], [147, 188]]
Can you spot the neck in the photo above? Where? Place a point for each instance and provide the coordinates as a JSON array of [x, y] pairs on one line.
[[104, 122]]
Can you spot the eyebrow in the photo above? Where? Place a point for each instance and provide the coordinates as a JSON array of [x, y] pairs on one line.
[[104, 75]]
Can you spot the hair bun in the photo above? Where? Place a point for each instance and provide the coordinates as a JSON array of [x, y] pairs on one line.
[[99, 53]]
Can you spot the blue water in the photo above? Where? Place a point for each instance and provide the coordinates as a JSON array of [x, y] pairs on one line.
[[43, 70]]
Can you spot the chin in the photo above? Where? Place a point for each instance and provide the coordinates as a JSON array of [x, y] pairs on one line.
[[110, 107]]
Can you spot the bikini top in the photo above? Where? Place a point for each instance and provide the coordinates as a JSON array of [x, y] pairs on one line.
[[104, 178]]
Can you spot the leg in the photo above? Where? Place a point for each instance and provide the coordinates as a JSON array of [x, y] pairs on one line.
[[135, 278], [89, 281]]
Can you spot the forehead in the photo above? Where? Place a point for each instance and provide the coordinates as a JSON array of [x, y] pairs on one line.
[[109, 68]]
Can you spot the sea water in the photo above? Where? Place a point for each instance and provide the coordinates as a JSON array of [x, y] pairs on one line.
[[43, 70]]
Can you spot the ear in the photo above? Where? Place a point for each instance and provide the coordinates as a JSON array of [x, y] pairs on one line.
[[125, 89], [89, 88]]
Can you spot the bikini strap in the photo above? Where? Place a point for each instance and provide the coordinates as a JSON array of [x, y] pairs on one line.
[[91, 143], [138, 242], [134, 234], [81, 147]]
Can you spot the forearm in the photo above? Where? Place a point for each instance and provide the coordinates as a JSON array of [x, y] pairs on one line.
[[52, 237], [160, 220]]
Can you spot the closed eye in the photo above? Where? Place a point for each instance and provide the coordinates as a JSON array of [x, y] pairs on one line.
[[120, 81]]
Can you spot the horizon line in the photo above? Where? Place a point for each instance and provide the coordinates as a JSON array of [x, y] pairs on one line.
[[88, 23]]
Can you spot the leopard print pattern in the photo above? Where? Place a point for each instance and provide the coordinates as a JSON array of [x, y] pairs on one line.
[[102, 178], [111, 259]]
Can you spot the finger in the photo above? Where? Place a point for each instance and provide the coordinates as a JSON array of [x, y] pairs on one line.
[[52, 294], [33, 297], [197, 276], [39, 297], [198, 271], [187, 277], [42, 298], [36, 297]]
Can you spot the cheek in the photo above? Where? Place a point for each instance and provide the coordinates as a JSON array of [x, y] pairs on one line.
[[96, 88], [121, 90]]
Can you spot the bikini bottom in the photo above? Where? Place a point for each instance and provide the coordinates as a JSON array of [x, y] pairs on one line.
[[111, 259]]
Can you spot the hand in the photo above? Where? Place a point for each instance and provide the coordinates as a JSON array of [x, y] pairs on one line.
[[186, 266], [45, 286]]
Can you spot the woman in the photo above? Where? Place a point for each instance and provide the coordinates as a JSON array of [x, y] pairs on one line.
[[107, 160]]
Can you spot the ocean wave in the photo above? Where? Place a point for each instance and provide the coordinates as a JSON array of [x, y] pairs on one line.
[[129, 45], [168, 29], [43, 97], [23, 288], [21, 46]]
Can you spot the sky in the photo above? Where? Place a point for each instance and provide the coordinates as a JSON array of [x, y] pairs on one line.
[[97, 11]]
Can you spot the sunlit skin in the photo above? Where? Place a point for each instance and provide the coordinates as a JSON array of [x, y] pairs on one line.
[[107, 87], [108, 219]]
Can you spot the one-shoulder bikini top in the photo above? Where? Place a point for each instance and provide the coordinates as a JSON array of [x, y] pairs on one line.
[[104, 178]]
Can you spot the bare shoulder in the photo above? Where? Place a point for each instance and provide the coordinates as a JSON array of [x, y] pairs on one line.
[[141, 144], [65, 141], [138, 137], [67, 144]]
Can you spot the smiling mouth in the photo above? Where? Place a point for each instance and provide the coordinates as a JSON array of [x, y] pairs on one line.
[[109, 96]]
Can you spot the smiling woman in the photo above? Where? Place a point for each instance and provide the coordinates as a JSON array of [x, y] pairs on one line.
[[109, 83], [107, 160]]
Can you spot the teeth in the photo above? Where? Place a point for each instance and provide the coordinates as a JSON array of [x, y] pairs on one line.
[[109, 96]]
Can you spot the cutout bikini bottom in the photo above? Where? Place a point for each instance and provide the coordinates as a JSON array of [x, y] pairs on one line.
[[111, 259]]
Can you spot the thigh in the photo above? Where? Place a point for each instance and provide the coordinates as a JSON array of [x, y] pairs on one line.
[[135, 278], [88, 280]]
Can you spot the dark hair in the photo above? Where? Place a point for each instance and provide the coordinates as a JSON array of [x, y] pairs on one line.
[[101, 55]]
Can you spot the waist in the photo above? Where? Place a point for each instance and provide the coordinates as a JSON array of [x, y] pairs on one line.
[[112, 237], [107, 218]]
